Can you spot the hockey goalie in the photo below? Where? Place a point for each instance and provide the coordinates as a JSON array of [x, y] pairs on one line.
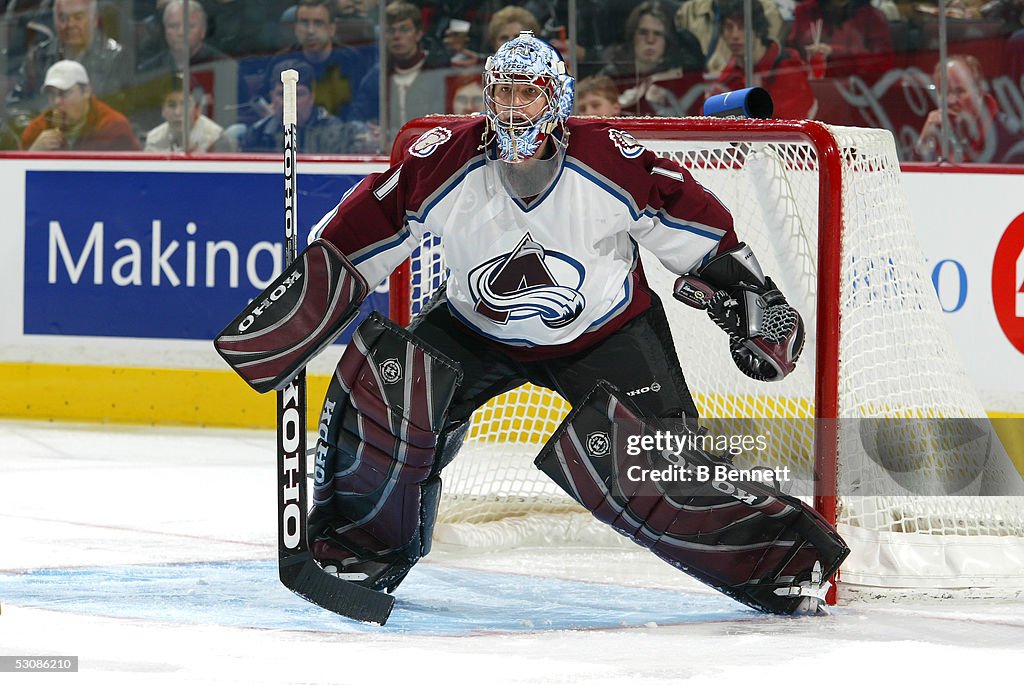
[[540, 217]]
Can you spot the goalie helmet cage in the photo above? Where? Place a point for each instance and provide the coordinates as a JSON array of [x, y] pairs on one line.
[[823, 209]]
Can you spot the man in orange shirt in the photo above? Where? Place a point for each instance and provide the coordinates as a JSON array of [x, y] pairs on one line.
[[76, 119]]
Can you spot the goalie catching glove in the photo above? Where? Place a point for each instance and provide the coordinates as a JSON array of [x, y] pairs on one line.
[[766, 335]]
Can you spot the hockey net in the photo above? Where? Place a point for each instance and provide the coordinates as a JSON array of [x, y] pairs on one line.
[[879, 424]]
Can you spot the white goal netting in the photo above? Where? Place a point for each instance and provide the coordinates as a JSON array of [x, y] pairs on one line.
[[925, 494]]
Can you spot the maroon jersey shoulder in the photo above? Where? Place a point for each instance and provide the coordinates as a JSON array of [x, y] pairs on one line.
[[654, 185], [439, 157], [613, 153]]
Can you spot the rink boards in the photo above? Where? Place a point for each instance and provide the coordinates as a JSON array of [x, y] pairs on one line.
[[120, 271]]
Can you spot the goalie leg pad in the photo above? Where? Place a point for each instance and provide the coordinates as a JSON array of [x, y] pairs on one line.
[[376, 484], [744, 539], [296, 317]]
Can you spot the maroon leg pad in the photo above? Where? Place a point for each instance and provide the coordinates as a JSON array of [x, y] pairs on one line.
[[375, 476], [744, 539]]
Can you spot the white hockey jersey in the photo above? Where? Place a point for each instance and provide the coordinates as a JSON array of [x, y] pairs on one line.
[[542, 278]]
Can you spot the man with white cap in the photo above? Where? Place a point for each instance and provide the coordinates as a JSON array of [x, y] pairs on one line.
[[76, 119]]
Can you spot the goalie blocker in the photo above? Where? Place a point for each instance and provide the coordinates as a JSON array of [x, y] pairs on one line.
[[747, 540], [294, 318]]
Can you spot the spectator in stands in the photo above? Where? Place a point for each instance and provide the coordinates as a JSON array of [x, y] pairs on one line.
[[77, 37], [657, 70], [204, 134], [183, 44], [415, 83], [703, 18], [505, 24], [778, 70], [509, 22], [597, 96], [467, 94], [76, 119], [337, 69], [318, 131], [979, 131], [852, 36]]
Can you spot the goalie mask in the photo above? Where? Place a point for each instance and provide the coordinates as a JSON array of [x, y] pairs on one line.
[[527, 97]]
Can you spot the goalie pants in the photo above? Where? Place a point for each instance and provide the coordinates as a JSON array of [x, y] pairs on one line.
[[639, 358]]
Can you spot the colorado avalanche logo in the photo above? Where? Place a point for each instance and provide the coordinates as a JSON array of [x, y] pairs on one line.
[[627, 144], [598, 444], [390, 371], [527, 282], [427, 143]]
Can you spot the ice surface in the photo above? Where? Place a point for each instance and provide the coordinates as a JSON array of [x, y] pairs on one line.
[[150, 554]]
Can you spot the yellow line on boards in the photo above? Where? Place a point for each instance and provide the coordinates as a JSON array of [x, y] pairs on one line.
[[111, 394], [56, 392]]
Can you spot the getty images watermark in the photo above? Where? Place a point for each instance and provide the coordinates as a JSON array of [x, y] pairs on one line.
[[674, 447]]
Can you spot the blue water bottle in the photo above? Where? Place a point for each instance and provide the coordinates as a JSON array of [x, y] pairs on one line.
[[751, 103]]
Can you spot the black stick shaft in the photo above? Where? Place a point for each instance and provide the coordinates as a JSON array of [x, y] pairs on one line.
[[298, 571], [291, 402]]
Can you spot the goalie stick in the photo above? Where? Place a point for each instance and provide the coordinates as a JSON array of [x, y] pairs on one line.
[[297, 569]]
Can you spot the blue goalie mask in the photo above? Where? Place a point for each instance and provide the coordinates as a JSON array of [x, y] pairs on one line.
[[527, 96]]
